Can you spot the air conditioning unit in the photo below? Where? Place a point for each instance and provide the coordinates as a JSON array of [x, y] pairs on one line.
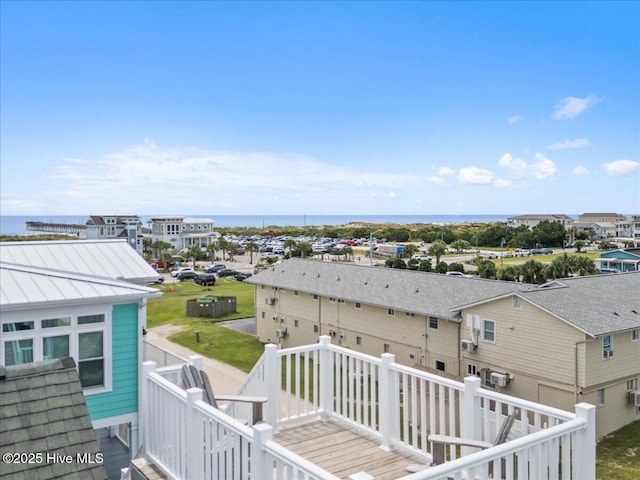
[[342, 337], [468, 345], [281, 332], [607, 354], [270, 300], [634, 398], [275, 318], [500, 379], [332, 333]]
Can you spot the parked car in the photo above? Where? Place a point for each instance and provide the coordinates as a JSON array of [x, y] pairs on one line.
[[242, 276], [214, 268], [187, 275], [457, 274], [206, 279], [160, 279], [175, 273], [227, 272], [421, 257], [610, 270]]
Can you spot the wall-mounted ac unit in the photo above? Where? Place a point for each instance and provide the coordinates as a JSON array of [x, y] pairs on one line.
[[468, 345], [281, 332], [634, 398], [500, 379], [270, 300], [275, 318], [332, 333], [342, 337]]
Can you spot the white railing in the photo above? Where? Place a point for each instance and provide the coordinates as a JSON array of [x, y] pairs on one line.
[[400, 407]]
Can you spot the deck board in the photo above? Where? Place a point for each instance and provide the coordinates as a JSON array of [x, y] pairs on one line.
[[342, 451]]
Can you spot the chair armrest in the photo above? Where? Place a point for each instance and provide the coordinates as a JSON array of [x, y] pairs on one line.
[[439, 442], [255, 401]]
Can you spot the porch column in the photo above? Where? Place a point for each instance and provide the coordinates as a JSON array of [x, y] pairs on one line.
[[326, 378], [470, 413], [145, 401], [584, 446], [261, 467], [273, 381], [388, 399], [195, 446]]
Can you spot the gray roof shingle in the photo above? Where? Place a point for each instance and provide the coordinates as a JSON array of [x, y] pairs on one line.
[[26, 426], [588, 302]]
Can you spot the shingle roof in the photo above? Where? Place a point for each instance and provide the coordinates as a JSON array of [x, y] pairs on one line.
[[43, 411], [596, 304], [22, 286], [102, 258], [588, 302], [411, 291]]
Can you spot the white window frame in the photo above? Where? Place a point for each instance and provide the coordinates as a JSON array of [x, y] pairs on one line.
[[600, 397], [635, 335], [37, 334], [436, 323], [472, 369], [632, 384], [358, 306], [486, 321], [517, 302], [607, 346], [391, 312]]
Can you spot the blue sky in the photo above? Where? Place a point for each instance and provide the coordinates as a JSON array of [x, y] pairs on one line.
[[226, 108]]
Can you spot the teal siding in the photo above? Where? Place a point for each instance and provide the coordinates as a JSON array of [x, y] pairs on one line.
[[123, 398]]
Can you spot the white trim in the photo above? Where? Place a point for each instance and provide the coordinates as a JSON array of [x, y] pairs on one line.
[[117, 420], [495, 333]]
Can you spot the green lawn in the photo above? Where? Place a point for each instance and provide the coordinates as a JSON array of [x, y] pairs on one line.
[[235, 348], [618, 454]]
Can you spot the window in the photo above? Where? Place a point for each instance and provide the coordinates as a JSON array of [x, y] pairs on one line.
[[600, 397], [332, 299], [358, 340], [488, 330], [635, 334], [607, 346], [315, 329], [632, 384], [472, 369], [91, 359], [487, 377], [517, 302], [433, 323], [387, 348], [315, 297], [440, 365], [358, 305], [295, 323], [85, 337], [262, 315], [295, 292], [412, 356], [391, 312], [340, 300], [408, 314]]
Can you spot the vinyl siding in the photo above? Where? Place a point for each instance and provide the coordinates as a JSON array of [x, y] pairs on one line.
[[625, 360], [123, 398]]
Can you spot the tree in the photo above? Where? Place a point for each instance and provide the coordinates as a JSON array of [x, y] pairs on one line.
[[460, 245], [456, 267], [561, 267], [442, 267], [146, 244], [533, 272], [583, 265], [425, 266], [194, 253], [510, 273], [486, 268], [232, 249], [410, 249], [251, 247], [437, 249], [159, 247], [549, 234], [579, 244], [223, 244], [211, 249], [290, 244], [413, 264], [303, 249], [399, 263]]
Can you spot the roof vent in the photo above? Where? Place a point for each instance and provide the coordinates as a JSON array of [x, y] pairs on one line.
[[386, 286], [366, 283], [338, 279], [616, 314], [634, 312], [417, 291], [318, 276], [304, 273]]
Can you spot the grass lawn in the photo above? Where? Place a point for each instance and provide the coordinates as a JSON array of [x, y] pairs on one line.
[[235, 348], [618, 454]]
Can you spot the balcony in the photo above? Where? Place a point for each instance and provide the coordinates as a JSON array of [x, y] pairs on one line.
[[335, 413]]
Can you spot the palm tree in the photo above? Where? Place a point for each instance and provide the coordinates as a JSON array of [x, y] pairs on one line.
[[437, 249], [194, 253], [232, 248], [223, 244], [410, 249], [212, 248], [290, 244], [251, 247]]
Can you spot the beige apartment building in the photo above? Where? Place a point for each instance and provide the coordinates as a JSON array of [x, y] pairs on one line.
[[561, 343]]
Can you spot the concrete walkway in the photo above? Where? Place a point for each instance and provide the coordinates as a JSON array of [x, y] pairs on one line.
[[225, 379]]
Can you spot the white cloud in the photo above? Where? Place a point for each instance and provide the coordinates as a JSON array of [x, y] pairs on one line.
[[621, 167], [502, 183], [446, 171], [580, 171], [475, 176], [513, 119], [571, 107], [568, 143], [436, 180], [541, 169]]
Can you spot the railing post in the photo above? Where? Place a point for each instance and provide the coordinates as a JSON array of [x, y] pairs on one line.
[[273, 383], [470, 417], [193, 435], [260, 465], [326, 378], [196, 361], [388, 398], [145, 403], [584, 444]]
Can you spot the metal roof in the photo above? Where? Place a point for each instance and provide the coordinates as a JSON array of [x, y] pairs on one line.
[[101, 258], [30, 287]]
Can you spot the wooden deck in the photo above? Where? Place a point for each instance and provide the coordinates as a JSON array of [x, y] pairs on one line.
[[343, 452]]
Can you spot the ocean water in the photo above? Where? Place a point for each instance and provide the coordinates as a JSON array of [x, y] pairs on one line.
[[16, 224]]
